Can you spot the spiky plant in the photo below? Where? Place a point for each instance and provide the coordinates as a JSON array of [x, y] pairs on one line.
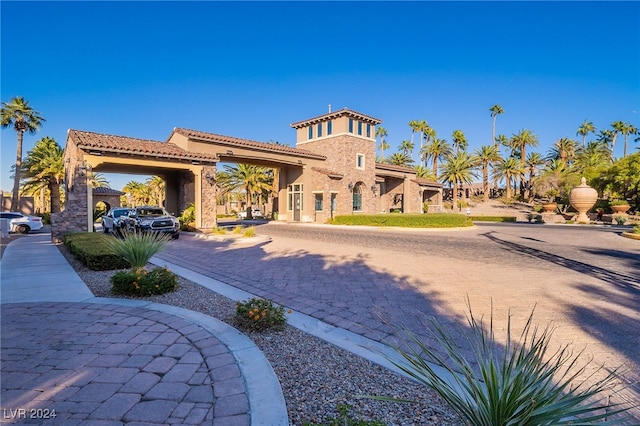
[[515, 383], [138, 247]]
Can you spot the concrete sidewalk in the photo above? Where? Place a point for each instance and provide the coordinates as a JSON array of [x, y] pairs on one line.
[[86, 359]]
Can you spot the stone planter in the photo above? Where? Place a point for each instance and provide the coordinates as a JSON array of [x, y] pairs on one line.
[[549, 207], [620, 208], [582, 198]]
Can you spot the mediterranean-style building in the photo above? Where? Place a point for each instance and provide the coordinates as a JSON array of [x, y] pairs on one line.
[[331, 171]]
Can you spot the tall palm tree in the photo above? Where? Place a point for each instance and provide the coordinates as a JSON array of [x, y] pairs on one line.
[[407, 148], [519, 141], [381, 133], [495, 111], [564, 150], [618, 127], [628, 129], [485, 156], [44, 168], [138, 193], [592, 159], [427, 134], [510, 170], [98, 180], [459, 140], [18, 113], [415, 127], [436, 150], [585, 128], [253, 180], [457, 170], [534, 160]]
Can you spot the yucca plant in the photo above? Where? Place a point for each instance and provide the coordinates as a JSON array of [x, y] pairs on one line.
[[138, 247], [515, 383]]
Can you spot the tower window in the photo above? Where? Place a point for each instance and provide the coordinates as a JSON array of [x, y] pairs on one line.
[[310, 132], [360, 128], [351, 125], [329, 127], [319, 130], [368, 130]]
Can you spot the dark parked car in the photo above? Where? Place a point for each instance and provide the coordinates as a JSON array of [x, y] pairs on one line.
[[153, 219]]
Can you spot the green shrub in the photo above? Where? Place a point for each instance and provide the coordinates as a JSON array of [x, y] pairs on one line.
[[139, 282], [250, 232], [138, 247], [618, 202], [636, 229], [515, 383], [494, 218], [345, 418], [436, 220], [538, 208], [260, 314], [620, 219], [238, 229], [92, 249]]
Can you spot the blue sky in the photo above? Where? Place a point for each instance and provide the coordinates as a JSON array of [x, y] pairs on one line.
[[249, 69]]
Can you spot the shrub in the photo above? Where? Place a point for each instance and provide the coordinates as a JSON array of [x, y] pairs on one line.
[[618, 202], [260, 314], [515, 383], [620, 219], [636, 229], [139, 282], [436, 220], [92, 249], [238, 229], [250, 232], [138, 247]]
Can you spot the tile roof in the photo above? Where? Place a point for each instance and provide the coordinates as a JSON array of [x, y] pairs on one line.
[[393, 167], [246, 143], [427, 182], [104, 190], [136, 147], [336, 114], [330, 173]]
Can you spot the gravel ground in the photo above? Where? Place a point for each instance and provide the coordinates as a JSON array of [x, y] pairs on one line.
[[315, 376]]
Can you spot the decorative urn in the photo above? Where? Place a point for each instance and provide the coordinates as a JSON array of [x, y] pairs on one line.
[[582, 198]]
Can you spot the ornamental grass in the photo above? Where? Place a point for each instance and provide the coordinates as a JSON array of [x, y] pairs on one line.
[[138, 247], [514, 383]]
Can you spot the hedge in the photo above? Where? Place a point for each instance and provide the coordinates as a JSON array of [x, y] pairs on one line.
[[493, 218], [437, 220], [90, 249]]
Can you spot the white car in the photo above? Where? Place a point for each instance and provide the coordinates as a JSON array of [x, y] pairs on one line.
[[113, 221], [256, 213], [22, 223]]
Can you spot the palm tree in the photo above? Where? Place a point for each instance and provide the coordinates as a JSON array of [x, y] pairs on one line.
[[156, 187], [519, 141], [253, 180], [495, 111], [138, 193], [399, 159], [427, 134], [18, 113], [381, 132], [534, 160], [628, 129], [585, 128], [592, 159], [436, 150], [511, 170], [485, 156], [457, 170], [425, 173], [459, 140], [407, 148], [415, 127], [43, 168], [98, 180], [618, 127], [564, 150]]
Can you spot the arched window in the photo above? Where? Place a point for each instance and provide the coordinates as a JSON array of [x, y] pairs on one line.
[[357, 197]]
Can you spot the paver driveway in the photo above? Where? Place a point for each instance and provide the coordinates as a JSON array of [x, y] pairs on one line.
[[584, 280]]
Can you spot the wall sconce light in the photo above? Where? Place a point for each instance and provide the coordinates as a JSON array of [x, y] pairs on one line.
[[374, 189], [211, 179], [350, 186], [84, 167]]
